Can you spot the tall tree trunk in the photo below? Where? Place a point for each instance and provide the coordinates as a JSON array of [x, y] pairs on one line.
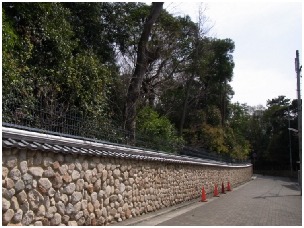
[[185, 106], [143, 56], [189, 83], [223, 104]]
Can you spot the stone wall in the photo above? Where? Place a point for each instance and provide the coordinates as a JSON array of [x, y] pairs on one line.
[[46, 188]]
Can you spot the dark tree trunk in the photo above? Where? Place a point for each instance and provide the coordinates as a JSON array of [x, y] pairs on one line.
[[185, 106], [188, 87], [143, 57]]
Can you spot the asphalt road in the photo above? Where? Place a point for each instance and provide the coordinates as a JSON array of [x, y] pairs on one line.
[[264, 201]]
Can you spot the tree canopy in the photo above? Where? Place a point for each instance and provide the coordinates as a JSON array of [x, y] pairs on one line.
[[120, 67]]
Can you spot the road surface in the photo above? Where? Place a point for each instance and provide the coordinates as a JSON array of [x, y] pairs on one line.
[[264, 201]]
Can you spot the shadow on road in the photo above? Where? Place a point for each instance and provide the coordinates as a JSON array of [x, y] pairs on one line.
[[265, 197], [292, 186]]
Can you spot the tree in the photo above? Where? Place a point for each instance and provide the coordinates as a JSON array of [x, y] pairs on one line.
[[266, 129], [276, 117], [237, 130], [143, 57], [111, 63], [54, 71]]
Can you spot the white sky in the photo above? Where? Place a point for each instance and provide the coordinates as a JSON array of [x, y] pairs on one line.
[[266, 35]]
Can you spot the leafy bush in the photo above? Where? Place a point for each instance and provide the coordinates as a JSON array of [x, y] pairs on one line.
[[157, 130]]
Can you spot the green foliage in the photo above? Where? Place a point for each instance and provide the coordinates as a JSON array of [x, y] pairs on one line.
[[16, 89], [213, 115], [85, 81], [237, 144], [214, 138], [46, 64], [158, 129], [237, 131], [79, 57], [14, 52], [275, 118], [264, 131]]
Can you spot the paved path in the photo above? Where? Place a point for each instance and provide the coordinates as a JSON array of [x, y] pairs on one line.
[[265, 201]]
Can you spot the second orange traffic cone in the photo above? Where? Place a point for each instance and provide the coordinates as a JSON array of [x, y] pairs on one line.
[[215, 192], [204, 199]]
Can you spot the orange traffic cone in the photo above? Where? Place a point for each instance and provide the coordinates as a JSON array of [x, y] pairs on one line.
[[223, 188], [204, 199], [215, 192], [228, 187]]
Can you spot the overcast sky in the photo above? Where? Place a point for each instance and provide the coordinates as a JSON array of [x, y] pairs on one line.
[[266, 35]]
